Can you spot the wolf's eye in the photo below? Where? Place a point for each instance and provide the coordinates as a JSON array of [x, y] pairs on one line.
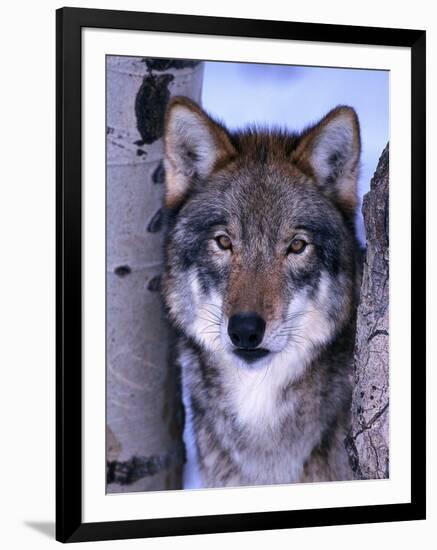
[[297, 246], [224, 242]]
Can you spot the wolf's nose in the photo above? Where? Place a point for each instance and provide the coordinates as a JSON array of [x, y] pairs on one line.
[[246, 330]]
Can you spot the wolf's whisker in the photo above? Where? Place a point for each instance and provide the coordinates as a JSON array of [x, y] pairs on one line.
[[209, 332], [207, 307], [265, 374], [213, 305], [238, 372], [298, 314], [214, 326], [212, 314], [288, 331], [211, 324], [210, 320]]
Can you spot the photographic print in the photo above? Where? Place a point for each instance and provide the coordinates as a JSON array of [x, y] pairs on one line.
[[240, 275], [238, 255]]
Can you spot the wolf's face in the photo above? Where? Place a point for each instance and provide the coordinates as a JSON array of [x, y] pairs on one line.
[[261, 246]]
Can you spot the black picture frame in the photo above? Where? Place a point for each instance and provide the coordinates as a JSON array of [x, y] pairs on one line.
[[69, 525]]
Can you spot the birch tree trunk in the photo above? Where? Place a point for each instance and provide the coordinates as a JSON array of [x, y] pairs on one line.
[[368, 442], [144, 410]]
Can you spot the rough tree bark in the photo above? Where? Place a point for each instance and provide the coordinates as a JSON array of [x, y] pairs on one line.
[[368, 441], [144, 428]]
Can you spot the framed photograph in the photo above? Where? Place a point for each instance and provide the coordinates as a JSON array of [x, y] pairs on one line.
[[240, 274]]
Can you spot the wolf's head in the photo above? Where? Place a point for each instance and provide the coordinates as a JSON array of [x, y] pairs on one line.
[[261, 245]]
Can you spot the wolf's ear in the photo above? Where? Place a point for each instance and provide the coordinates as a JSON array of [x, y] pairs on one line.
[[330, 152], [194, 146]]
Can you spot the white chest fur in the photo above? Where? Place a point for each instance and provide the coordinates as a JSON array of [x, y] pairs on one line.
[[257, 394]]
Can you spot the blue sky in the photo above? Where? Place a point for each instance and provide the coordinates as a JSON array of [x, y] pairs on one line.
[[293, 97]]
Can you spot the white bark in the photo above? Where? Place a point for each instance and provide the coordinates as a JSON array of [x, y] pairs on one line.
[[144, 427]]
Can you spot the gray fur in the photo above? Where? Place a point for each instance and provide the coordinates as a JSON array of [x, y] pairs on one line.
[[284, 418]]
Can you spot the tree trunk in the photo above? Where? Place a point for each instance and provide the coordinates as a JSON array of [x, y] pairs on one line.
[[144, 410], [368, 441]]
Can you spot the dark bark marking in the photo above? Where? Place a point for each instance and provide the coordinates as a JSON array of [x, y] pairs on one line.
[[150, 105], [154, 285], [154, 64], [155, 223], [122, 270], [158, 175], [138, 467]]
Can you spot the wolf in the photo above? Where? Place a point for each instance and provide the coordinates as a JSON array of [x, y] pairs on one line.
[[261, 276]]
